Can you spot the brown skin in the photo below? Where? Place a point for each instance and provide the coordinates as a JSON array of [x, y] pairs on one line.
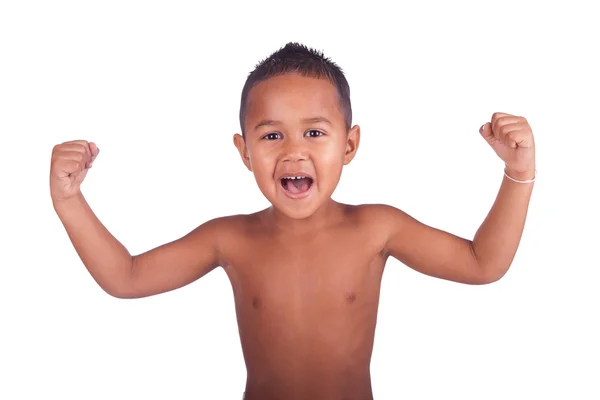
[[305, 273]]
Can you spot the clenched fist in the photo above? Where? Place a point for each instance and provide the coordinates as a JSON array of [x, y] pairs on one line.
[[511, 138], [69, 166]]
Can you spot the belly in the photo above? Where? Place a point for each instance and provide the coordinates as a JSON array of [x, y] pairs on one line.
[[323, 354], [310, 325]]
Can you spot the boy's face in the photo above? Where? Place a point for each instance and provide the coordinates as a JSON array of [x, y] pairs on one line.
[[294, 127]]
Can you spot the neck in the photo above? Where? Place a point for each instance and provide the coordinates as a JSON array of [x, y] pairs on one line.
[[326, 215]]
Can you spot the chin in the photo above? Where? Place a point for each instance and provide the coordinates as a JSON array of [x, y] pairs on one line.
[[298, 203], [297, 209], [298, 213]]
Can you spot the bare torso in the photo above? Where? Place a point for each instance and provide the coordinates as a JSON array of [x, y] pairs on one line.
[[306, 306]]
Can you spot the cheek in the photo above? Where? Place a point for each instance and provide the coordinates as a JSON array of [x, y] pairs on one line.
[[331, 151], [262, 163], [331, 160]]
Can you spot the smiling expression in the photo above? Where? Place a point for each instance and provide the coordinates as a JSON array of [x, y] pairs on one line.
[[296, 142]]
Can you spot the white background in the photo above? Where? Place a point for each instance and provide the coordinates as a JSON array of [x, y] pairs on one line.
[[156, 85]]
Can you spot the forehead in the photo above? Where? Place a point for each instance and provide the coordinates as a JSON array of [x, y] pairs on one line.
[[292, 96]]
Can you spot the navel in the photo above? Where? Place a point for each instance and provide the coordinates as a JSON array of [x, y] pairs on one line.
[[351, 297], [256, 303]]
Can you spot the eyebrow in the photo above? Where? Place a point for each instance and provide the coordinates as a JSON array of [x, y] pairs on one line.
[[313, 120]]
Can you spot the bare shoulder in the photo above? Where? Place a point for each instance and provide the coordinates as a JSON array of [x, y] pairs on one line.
[[399, 231], [238, 224], [229, 230], [235, 234], [183, 260], [378, 216], [424, 248], [380, 221], [375, 210]]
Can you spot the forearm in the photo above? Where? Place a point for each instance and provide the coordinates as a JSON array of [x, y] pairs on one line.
[[497, 239], [106, 259]]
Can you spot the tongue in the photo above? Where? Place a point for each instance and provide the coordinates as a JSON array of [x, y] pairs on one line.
[[297, 185]]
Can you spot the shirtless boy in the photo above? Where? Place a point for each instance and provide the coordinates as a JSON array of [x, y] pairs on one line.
[[306, 271]]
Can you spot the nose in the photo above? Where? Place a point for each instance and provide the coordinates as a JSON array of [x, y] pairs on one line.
[[294, 151]]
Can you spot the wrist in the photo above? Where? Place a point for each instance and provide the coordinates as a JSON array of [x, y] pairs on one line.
[[526, 175], [63, 204]]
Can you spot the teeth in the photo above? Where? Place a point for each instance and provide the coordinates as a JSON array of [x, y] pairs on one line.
[[294, 177]]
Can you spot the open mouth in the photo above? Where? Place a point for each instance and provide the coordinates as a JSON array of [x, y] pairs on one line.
[[296, 184]]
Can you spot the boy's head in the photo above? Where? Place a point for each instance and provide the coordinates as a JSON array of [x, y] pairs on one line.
[[299, 59], [295, 116]]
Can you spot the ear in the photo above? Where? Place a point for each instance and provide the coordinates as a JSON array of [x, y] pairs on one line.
[[352, 142], [240, 144]]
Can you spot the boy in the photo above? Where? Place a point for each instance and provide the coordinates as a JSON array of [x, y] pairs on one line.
[[306, 271]]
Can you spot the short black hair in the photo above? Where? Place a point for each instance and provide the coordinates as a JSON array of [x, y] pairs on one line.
[[308, 62]]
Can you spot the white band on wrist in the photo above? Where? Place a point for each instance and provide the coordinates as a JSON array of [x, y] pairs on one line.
[[518, 181]]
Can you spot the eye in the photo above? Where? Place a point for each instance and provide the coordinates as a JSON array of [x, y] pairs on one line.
[[314, 133], [272, 136]]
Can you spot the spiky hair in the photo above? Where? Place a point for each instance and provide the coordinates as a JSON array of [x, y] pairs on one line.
[[308, 62]]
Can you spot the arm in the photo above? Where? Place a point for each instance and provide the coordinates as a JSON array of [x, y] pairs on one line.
[[432, 251], [121, 275], [489, 255], [497, 239], [443, 255]]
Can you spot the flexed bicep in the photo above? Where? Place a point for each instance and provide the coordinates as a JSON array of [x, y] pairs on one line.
[[433, 251]]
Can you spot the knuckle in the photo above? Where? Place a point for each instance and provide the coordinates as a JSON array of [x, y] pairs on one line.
[[74, 165]]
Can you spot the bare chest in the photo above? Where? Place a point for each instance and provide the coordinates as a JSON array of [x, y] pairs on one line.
[[305, 278]]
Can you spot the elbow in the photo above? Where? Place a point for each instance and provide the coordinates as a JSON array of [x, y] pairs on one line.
[[118, 295], [123, 288], [117, 292], [491, 275], [487, 272], [120, 290]]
